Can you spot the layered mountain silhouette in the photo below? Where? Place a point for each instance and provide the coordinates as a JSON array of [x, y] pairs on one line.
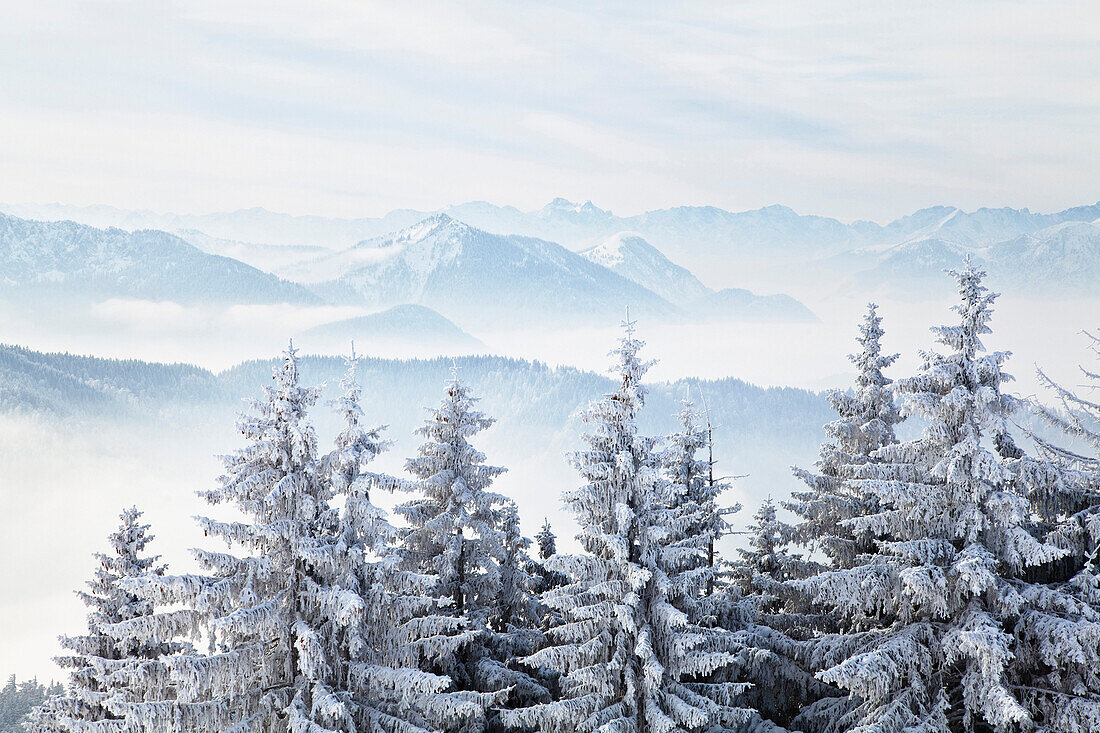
[[634, 258], [65, 259], [474, 275]]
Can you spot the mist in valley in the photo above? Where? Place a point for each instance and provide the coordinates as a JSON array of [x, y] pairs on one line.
[[74, 473]]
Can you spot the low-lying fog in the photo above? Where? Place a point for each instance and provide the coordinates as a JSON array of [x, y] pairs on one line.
[[807, 355]]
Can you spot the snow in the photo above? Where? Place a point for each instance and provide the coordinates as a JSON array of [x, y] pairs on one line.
[[953, 579]]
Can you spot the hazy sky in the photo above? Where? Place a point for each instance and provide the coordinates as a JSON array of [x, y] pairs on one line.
[[854, 109]]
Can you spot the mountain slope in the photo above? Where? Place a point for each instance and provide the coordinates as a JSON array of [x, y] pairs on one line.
[[478, 277], [1059, 261], [267, 257], [48, 258], [735, 304], [634, 258], [536, 404], [629, 255], [401, 325]]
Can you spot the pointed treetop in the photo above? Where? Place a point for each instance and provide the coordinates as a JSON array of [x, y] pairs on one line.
[[351, 361], [132, 536], [976, 310], [870, 360], [547, 541], [627, 364], [289, 370]]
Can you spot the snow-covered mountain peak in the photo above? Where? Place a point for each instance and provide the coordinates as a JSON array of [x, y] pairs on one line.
[[433, 226], [631, 256], [560, 207], [619, 247], [43, 259]]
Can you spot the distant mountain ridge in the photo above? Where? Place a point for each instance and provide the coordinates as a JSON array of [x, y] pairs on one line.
[[776, 229], [75, 260], [631, 256], [771, 248], [477, 276], [1059, 261], [398, 326], [267, 257]]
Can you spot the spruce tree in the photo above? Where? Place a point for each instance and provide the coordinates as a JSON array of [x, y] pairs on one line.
[[866, 417], [629, 660], [693, 565], [547, 541], [516, 608], [293, 637], [454, 525], [958, 637], [379, 654], [765, 564], [1078, 420], [542, 577], [741, 597], [105, 672], [458, 539]]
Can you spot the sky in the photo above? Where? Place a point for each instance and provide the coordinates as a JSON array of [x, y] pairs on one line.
[[843, 108]]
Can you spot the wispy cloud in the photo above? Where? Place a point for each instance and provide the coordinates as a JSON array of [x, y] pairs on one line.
[[844, 107]]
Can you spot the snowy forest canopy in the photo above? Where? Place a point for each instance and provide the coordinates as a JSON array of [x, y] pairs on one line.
[[940, 578]]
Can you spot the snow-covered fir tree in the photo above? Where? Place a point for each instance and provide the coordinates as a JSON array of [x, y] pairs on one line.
[[106, 672], [771, 650], [629, 660], [765, 562], [740, 597], [516, 607], [1078, 419], [380, 654], [459, 538], [454, 524], [288, 630], [542, 577], [865, 422], [958, 637], [547, 541], [693, 565]]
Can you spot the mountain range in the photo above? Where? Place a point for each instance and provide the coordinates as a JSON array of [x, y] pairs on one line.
[[485, 265], [439, 263], [472, 275], [700, 232], [636, 259], [494, 279], [1059, 261], [65, 259]]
